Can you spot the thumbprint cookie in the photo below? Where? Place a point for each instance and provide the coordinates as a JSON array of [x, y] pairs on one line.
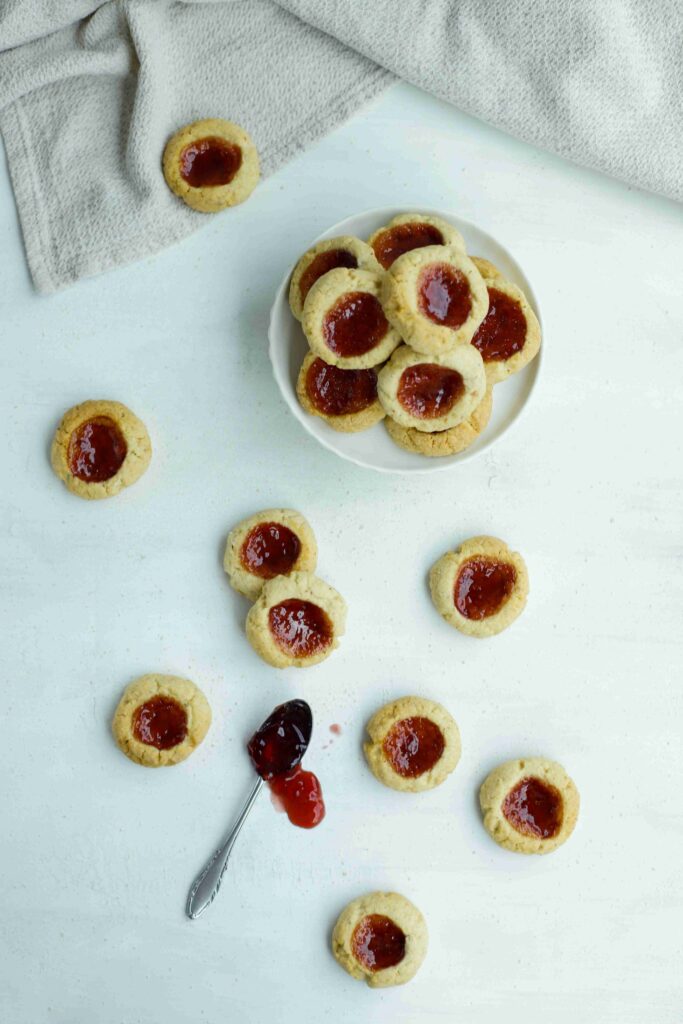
[[481, 587], [440, 443], [346, 399], [509, 336], [530, 805], [99, 448], [380, 938], [330, 254], [296, 621], [411, 231], [211, 164], [275, 542], [414, 744], [160, 720]]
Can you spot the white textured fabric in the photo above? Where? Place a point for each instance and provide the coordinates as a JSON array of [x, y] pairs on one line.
[[86, 106]]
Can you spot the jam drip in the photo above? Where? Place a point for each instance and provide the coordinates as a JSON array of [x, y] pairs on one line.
[[279, 744], [444, 295], [534, 808], [393, 242], [338, 392], [428, 390], [209, 162], [300, 628], [97, 450], [378, 942], [321, 264], [299, 794], [354, 325], [503, 330], [482, 587], [160, 722], [270, 550], [413, 746]]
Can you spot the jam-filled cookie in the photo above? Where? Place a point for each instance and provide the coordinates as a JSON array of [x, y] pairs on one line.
[[344, 322], [160, 720], [211, 164], [99, 448], [530, 805], [346, 399], [411, 231], [381, 939], [414, 744], [435, 298], [443, 442], [481, 587], [330, 254], [275, 542], [296, 621], [509, 336], [432, 393]]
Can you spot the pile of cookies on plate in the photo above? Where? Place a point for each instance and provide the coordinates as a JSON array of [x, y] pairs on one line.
[[409, 329]]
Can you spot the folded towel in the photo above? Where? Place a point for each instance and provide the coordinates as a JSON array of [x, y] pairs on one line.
[[86, 107]]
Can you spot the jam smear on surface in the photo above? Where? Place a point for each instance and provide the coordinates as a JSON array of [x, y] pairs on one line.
[[300, 628], [279, 744], [444, 295], [393, 242], [321, 264], [160, 722], [482, 587], [270, 550], [338, 392], [378, 942], [209, 162], [413, 746], [299, 794], [428, 390], [534, 808], [503, 329], [354, 324], [97, 450]]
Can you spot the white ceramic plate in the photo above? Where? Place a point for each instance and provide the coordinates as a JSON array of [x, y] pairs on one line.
[[374, 448]]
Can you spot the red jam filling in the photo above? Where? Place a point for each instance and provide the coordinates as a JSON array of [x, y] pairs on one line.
[[534, 808], [209, 162], [337, 392], [160, 722], [97, 450], [393, 242], [354, 325], [503, 330], [321, 264], [269, 550], [444, 295], [378, 942], [428, 390], [482, 587], [299, 794], [279, 744], [300, 628], [413, 746]]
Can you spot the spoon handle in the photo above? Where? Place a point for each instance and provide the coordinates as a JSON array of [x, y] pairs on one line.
[[208, 882]]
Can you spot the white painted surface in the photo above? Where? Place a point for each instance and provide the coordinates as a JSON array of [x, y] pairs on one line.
[[97, 853]]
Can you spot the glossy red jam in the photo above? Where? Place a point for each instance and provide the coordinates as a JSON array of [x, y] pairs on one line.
[[502, 333], [321, 264], [269, 550], [378, 942], [160, 722], [300, 628], [428, 390], [209, 162], [393, 242], [354, 325], [97, 450], [482, 587], [281, 741], [444, 295], [337, 392], [534, 808], [413, 746], [299, 794]]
